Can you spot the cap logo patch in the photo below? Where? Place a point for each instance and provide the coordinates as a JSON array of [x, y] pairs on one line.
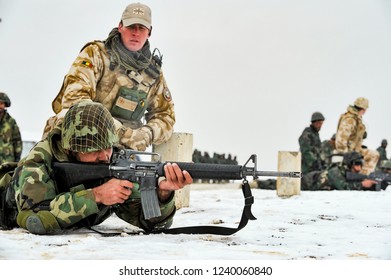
[[138, 11]]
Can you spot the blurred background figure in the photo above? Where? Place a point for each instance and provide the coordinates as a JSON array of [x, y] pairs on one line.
[[382, 151], [350, 134], [10, 139], [310, 145]]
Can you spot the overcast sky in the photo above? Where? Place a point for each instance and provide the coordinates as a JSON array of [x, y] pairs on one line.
[[245, 75]]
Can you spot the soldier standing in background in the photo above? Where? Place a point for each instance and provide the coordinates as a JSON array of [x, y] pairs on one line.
[[10, 139], [310, 145], [382, 151], [124, 75], [350, 134]]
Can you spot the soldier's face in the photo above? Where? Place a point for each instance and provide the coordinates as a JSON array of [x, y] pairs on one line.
[[2, 105], [102, 156], [356, 168], [317, 125], [133, 36]]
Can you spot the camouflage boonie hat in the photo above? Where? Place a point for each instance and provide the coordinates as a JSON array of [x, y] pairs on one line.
[[88, 127], [361, 102], [4, 98]]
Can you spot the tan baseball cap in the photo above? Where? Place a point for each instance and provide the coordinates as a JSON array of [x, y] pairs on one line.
[[137, 13]]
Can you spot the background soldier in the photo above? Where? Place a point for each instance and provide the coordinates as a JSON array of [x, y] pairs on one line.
[[10, 139], [336, 175], [382, 151], [350, 134], [334, 178], [385, 167], [310, 145]]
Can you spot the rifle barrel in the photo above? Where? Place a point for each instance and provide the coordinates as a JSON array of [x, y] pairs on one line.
[[225, 171], [291, 174]]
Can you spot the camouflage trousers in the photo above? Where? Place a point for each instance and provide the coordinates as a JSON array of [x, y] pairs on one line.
[[371, 157]]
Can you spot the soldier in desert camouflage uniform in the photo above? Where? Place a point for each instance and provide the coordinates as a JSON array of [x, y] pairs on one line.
[[87, 135], [10, 139], [310, 145], [350, 134], [123, 75]]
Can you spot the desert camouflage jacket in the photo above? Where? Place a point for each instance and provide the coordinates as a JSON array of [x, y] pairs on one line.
[[10, 139], [310, 148], [350, 132], [35, 189], [91, 78]]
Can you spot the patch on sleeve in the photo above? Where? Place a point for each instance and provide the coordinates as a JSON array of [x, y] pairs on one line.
[[88, 64], [167, 94]]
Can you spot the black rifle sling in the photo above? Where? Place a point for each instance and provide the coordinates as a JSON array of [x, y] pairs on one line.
[[246, 215]]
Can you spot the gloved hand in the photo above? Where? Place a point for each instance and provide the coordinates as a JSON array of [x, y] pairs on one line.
[[136, 139]]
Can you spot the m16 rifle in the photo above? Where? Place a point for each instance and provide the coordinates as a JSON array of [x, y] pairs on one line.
[[128, 164], [382, 179]]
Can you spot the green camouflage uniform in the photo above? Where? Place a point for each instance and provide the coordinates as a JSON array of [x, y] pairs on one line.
[[10, 139], [36, 191], [328, 179], [327, 149], [310, 148], [336, 179], [382, 153], [95, 76]]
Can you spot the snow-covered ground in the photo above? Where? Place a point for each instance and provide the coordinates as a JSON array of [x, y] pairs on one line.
[[324, 225]]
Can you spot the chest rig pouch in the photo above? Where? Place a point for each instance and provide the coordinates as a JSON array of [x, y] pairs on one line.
[[130, 104]]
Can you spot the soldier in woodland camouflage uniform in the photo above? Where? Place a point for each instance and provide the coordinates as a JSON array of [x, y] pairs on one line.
[[123, 75], [382, 151], [10, 139], [87, 135], [334, 178], [310, 145], [384, 167], [350, 134]]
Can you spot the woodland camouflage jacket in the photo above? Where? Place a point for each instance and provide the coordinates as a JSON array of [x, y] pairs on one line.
[[35, 189], [10, 139]]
